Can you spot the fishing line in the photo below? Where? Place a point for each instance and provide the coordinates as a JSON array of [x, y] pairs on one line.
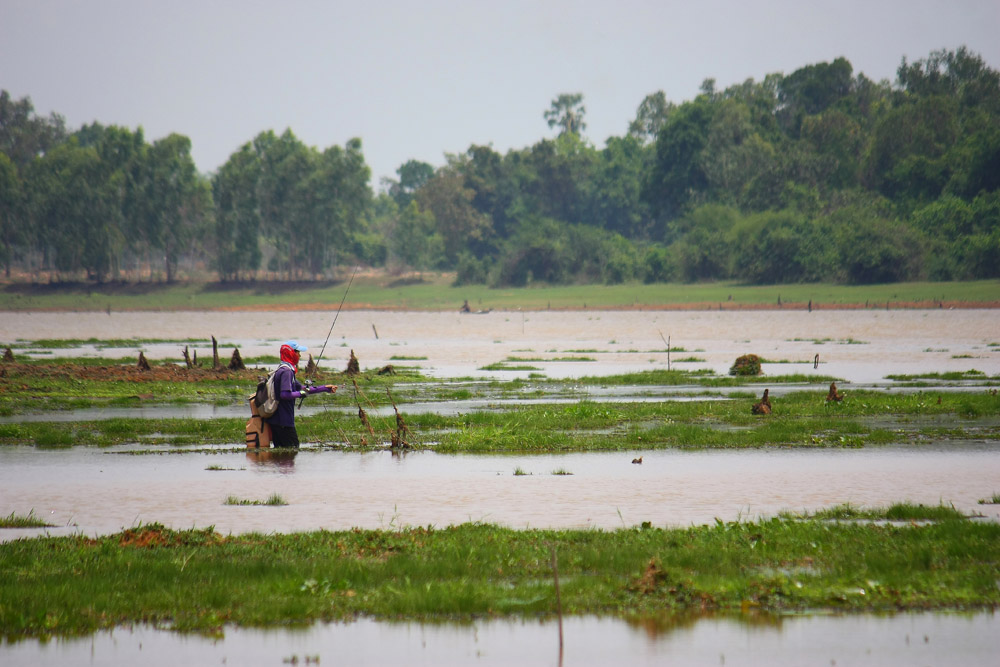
[[350, 282]]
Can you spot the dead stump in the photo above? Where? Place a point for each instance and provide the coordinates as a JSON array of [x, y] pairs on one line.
[[764, 406], [834, 395], [236, 363], [143, 365], [8, 356], [353, 367], [215, 354]]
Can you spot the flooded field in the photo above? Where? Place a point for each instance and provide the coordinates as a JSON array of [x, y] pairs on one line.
[[859, 346], [90, 490], [97, 491]]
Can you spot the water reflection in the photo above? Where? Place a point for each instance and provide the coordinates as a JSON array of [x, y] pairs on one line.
[[970, 640], [277, 459]]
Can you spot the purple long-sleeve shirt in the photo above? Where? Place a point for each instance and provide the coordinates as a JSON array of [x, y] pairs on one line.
[[289, 390]]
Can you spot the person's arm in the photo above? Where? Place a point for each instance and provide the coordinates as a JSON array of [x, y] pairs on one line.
[[289, 394]]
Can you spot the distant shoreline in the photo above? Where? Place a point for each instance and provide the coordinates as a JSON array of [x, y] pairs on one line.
[[731, 306]]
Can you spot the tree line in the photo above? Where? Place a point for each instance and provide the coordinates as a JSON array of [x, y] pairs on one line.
[[820, 175]]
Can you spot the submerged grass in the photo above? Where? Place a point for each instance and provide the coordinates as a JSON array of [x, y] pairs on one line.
[[904, 511], [273, 500], [799, 419], [198, 580], [23, 521]]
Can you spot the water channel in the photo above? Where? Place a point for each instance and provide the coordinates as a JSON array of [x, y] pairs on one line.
[[94, 491]]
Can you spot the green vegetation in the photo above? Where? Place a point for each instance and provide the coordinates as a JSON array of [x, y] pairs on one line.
[[273, 500], [818, 175], [992, 500], [199, 580], [434, 291], [895, 512], [800, 418], [17, 521]]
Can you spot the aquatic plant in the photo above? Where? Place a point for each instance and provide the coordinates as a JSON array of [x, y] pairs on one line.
[[274, 499], [19, 521]]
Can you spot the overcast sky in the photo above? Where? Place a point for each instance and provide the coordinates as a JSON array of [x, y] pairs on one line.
[[418, 79]]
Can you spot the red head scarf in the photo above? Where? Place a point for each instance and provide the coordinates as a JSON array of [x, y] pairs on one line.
[[291, 356]]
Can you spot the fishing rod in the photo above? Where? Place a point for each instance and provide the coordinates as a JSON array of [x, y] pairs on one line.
[[349, 283]]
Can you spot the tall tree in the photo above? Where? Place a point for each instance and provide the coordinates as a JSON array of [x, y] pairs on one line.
[[650, 117], [179, 200], [23, 135], [338, 190], [237, 221], [11, 227], [567, 112], [459, 223]]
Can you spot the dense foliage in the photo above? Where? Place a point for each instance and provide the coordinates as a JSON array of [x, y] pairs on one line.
[[820, 175]]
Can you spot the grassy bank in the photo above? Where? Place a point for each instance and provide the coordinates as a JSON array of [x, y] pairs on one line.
[[198, 580], [435, 292]]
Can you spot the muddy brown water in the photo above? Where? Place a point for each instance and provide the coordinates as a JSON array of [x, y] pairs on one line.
[[859, 346], [96, 491]]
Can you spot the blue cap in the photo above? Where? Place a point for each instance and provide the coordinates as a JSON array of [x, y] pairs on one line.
[[296, 345]]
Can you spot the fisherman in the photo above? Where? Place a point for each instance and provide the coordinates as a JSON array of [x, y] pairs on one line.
[[288, 390]]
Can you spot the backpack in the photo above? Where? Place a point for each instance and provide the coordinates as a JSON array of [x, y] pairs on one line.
[[265, 398]]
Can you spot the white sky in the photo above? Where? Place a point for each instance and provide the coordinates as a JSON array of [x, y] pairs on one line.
[[418, 79]]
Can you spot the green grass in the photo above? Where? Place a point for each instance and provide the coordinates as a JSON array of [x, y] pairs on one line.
[[896, 512], [199, 580], [273, 500], [19, 521], [992, 500], [435, 292], [800, 419]]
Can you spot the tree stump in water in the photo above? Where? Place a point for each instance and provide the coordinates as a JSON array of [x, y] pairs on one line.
[[236, 363], [834, 395], [353, 367], [311, 366], [764, 406], [8, 356], [215, 354], [187, 358], [143, 365], [387, 370]]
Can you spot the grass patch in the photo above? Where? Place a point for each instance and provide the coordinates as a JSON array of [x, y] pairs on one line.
[[19, 521], [503, 366], [896, 512], [199, 580], [437, 292], [273, 500], [992, 500], [561, 471]]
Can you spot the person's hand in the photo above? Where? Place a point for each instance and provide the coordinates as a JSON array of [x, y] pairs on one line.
[[332, 388]]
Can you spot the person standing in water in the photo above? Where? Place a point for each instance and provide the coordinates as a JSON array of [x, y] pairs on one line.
[[288, 389]]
